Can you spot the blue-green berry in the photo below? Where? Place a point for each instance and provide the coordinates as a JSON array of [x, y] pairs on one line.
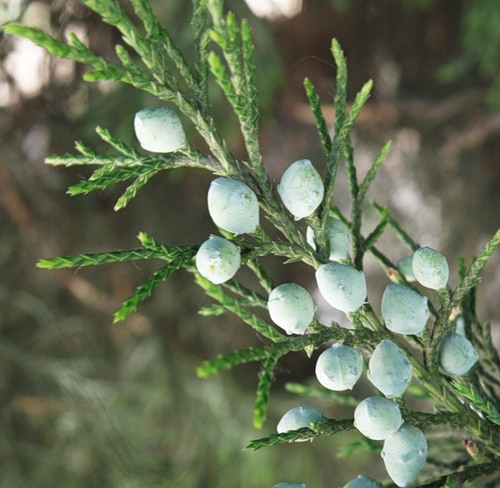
[[389, 369], [430, 268], [339, 367], [233, 206], [343, 287], [291, 307], [159, 130], [298, 418], [457, 354], [404, 310], [405, 267], [404, 454], [460, 325], [362, 481], [339, 239], [218, 260], [377, 418], [301, 189]]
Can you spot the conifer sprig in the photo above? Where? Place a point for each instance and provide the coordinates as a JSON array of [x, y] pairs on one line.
[[336, 148], [199, 23], [327, 427], [233, 305], [74, 49], [266, 377], [130, 164], [145, 290], [470, 393], [95, 259], [321, 125], [339, 398], [223, 47], [400, 232], [373, 171], [467, 474], [473, 275]]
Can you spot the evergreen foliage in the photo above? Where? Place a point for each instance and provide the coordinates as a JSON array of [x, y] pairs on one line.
[[152, 62]]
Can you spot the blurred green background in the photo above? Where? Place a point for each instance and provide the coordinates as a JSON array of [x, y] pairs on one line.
[[85, 403]]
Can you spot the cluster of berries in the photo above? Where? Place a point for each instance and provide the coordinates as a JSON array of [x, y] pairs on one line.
[[360, 482], [234, 207], [339, 367]]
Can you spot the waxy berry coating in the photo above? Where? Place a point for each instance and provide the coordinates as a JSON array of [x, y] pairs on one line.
[[343, 287], [301, 189], [430, 268], [159, 130], [218, 260], [457, 354], [339, 239], [404, 454], [291, 307], [405, 267], [233, 206], [377, 418], [404, 310], [339, 367], [389, 369], [297, 418]]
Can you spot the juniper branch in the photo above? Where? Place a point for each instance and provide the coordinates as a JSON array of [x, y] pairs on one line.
[[234, 306], [450, 300], [166, 253], [319, 392], [160, 41], [340, 100], [469, 473], [293, 253], [423, 420], [287, 345], [199, 23], [145, 290], [473, 276], [386, 263], [226, 361], [321, 124], [343, 126], [131, 191], [114, 14], [151, 54], [357, 204], [80, 260], [238, 83], [468, 392], [404, 236], [264, 279], [252, 298], [328, 427], [102, 182], [285, 438], [370, 240], [74, 49], [132, 165], [374, 169], [263, 391], [117, 143]]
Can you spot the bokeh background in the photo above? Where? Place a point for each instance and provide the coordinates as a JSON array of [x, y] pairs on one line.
[[85, 403]]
